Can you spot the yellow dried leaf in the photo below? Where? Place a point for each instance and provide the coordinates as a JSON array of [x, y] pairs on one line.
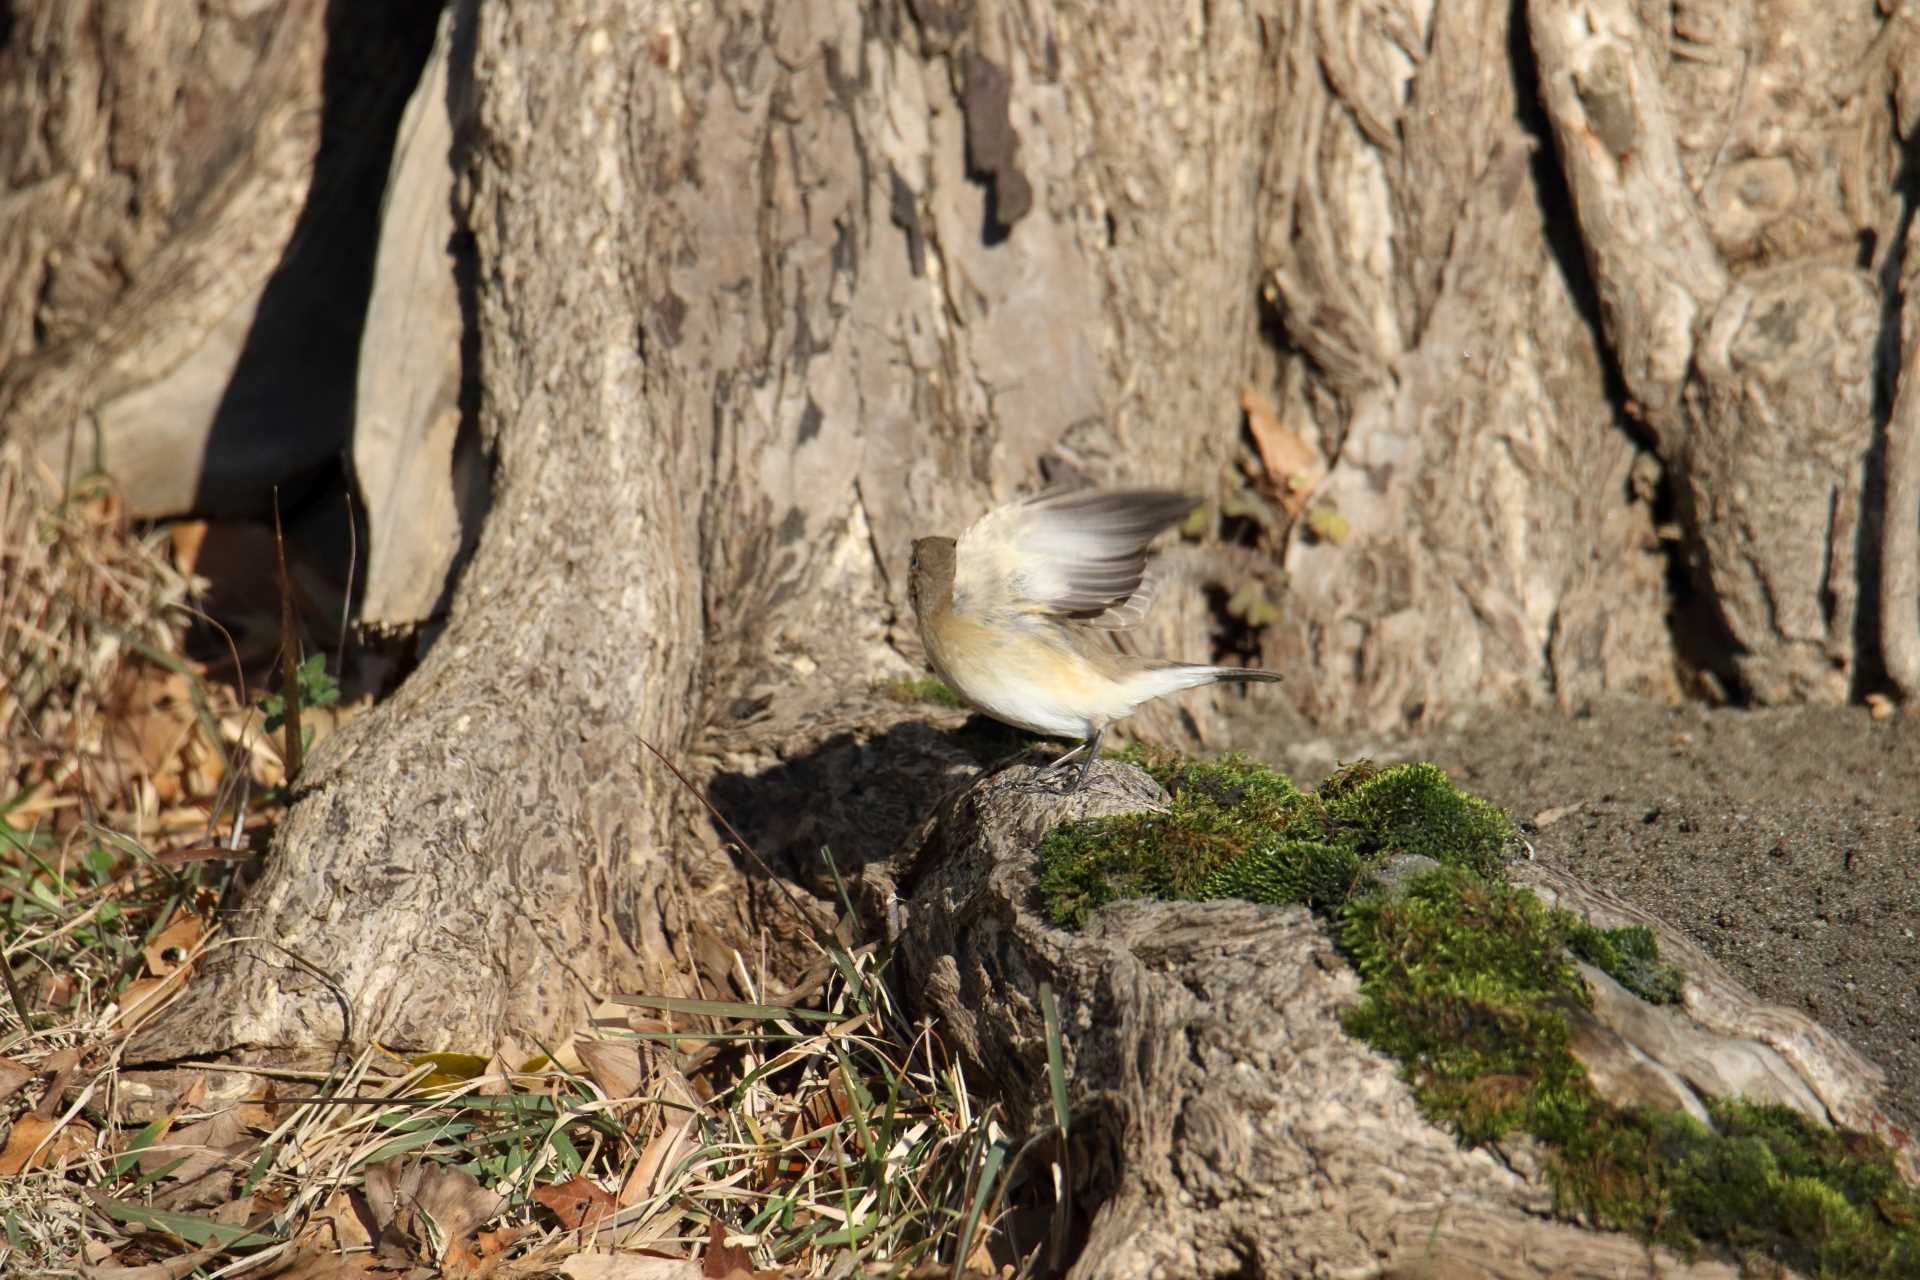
[[173, 944], [1329, 525], [20, 1154], [1293, 468], [449, 1069]]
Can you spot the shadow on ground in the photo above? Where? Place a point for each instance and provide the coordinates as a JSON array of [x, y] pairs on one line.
[[859, 795]]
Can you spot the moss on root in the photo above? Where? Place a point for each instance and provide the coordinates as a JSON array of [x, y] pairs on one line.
[[1631, 956], [1467, 981], [1239, 830]]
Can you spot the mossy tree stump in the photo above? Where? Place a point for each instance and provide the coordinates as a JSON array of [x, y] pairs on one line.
[[1226, 1119]]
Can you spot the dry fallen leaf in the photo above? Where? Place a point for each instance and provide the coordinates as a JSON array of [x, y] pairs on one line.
[[674, 1143], [980, 1261], [176, 1268], [1293, 468], [493, 1242], [578, 1203], [617, 1066], [173, 944], [201, 1161], [60, 1065], [13, 1077], [34, 804], [608, 1264], [722, 1260], [143, 998], [58, 990], [186, 537], [345, 1223], [399, 1192], [63, 1142], [29, 1131], [311, 1265]]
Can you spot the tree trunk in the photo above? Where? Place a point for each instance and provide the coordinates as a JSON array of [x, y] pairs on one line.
[[759, 297], [1224, 1122], [1735, 187], [1499, 538], [750, 297], [191, 194]]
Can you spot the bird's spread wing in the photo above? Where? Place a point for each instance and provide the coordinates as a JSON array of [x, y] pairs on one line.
[[1079, 555]]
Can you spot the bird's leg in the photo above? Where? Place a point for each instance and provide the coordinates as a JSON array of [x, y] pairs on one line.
[[1092, 747], [1043, 784], [1063, 757]]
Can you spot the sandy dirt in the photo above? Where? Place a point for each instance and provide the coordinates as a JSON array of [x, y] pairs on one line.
[[1786, 842]]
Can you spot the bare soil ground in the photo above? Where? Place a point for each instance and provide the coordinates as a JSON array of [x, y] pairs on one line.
[[1785, 841]]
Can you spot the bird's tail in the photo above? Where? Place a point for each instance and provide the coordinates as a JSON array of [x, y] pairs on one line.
[[1243, 675], [1161, 679]]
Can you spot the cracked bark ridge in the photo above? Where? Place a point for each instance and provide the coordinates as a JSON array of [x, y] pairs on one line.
[[1900, 550], [1224, 1122], [1442, 356], [1724, 180]]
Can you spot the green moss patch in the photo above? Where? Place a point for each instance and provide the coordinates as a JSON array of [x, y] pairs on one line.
[[1240, 830], [1467, 981], [1631, 956], [1470, 983]]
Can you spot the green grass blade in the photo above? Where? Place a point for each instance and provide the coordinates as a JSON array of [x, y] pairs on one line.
[[727, 1009], [1056, 1055], [131, 1156], [989, 1175], [186, 1226]]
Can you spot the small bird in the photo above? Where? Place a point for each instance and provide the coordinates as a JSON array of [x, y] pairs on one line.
[[1012, 613]]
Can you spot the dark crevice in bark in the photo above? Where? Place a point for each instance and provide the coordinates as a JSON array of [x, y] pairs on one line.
[[296, 373], [1702, 640], [1871, 673], [290, 395]]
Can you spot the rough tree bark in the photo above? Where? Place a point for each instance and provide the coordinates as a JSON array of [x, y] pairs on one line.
[[1224, 1123], [759, 295], [1735, 187], [1500, 541], [189, 193], [751, 294], [754, 295]]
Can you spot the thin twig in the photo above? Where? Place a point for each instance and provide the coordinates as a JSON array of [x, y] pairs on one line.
[[739, 840], [289, 641]]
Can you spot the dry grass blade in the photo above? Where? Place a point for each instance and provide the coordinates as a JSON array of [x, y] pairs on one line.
[[295, 751]]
